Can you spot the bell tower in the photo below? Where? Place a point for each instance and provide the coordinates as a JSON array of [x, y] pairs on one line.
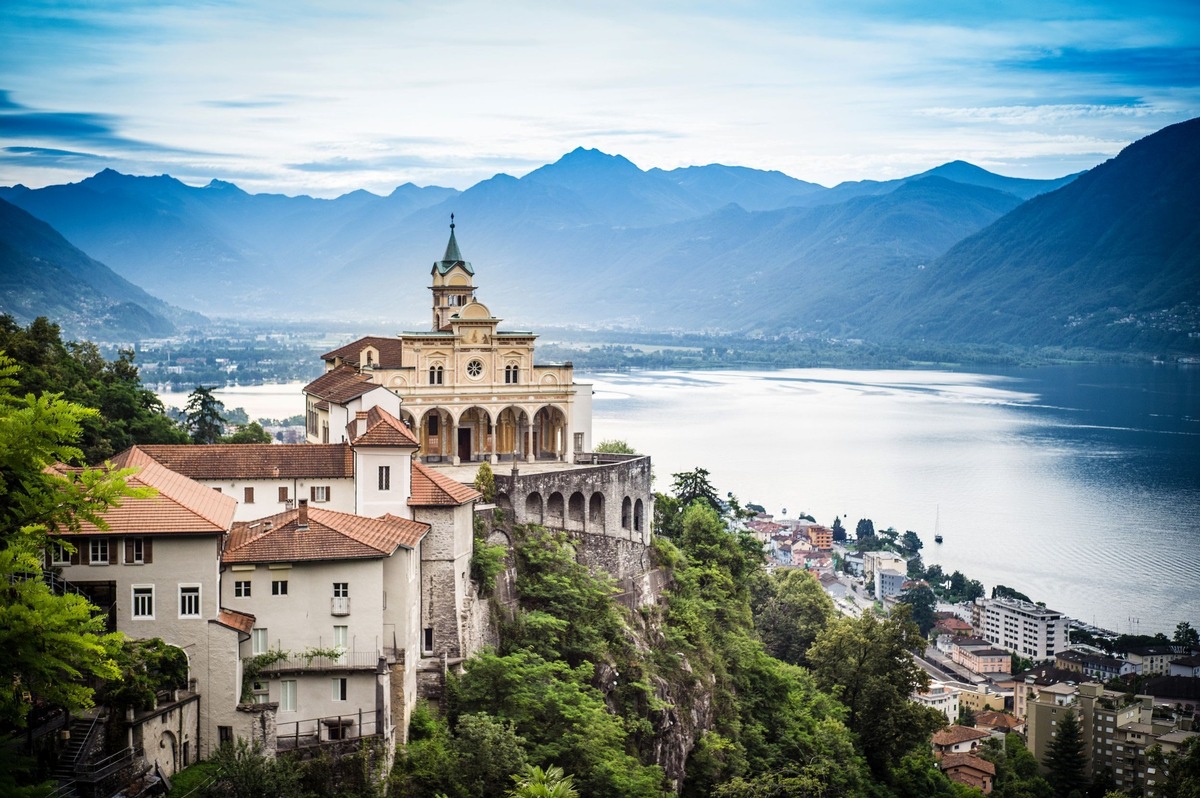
[[453, 283]]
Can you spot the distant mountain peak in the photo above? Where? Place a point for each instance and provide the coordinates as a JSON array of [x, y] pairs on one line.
[[223, 185], [582, 157]]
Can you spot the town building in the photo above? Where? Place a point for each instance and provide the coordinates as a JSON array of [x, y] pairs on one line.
[[1030, 630], [889, 582], [1156, 660], [968, 769], [942, 697], [957, 739]]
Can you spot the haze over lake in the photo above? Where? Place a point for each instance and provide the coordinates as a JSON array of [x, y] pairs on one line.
[[1076, 485]]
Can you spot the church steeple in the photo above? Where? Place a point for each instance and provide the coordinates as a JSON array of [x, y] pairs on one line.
[[453, 286]]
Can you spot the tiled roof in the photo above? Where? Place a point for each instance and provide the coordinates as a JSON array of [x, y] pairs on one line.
[[330, 536], [384, 429], [252, 460], [390, 350], [340, 385], [429, 488], [179, 506], [241, 621], [951, 761], [996, 720], [957, 734]]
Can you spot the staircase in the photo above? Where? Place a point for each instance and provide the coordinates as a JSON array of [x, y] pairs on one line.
[[81, 730]]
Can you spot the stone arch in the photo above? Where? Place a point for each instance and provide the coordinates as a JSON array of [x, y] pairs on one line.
[[408, 419], [626, 512], [433, 434], [169, 746], [549, 379], [399, 382], [555, 515], [596, 510], [533, 508], [474, 434], [638, 512], [550, 433], [512, 433], [576, 510]]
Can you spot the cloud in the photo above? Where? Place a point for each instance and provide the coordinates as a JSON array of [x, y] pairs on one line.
[[48, 157], [1144, 66], [1042, 114]]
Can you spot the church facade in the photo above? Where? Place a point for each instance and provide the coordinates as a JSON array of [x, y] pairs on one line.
[[470, 391]]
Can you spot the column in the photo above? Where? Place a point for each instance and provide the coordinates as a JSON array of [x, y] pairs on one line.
[[453, 429]]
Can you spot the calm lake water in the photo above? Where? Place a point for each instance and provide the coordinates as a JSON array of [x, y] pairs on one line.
[[1079, 485]]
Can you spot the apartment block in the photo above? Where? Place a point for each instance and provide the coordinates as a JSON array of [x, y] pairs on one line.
[[1030, 630]]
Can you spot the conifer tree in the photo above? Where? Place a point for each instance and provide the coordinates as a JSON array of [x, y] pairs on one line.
[[1066, 759], [204, 420]]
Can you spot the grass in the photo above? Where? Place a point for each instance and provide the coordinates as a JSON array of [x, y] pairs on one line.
[[189, 780]]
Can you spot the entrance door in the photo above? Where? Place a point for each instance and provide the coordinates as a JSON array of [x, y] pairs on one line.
[[464, 444]]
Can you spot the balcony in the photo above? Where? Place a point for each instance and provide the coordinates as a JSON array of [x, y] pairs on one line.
[[339, 605], [347, 661]]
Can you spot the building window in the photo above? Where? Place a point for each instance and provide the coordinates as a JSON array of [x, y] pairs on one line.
[[475, 369], [279, 587], [189, 601], [385, 477], [143, 602], [59, 554], [139, 551], [339, 689], [436, 375], [341, 589], [261, 690], [258, 640], [287, 695], [99, 551], [324, 432], [248, 495], [427, 643], [241, 589], [433, 424], [283, 495], [319, 493], [512, 374]]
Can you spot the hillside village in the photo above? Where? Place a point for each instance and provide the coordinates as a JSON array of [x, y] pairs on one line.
[[970, 659], [320, 590]]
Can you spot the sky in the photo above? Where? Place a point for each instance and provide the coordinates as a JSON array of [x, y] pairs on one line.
[[323, 98]]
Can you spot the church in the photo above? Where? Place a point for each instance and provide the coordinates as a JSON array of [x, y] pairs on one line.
[[470, 390]]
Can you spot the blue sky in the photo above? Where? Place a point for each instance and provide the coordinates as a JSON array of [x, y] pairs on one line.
[[306, 97]]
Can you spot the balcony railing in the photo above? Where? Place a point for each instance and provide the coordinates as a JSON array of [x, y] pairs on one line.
[[339, 605], [347, 661]]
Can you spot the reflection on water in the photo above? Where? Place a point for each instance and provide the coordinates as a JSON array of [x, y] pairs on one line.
[[1076, 485]]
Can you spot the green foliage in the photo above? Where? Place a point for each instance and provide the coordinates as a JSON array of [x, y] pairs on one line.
[[910, 543], [797, 610], [203, 418], [128, 412], [1186, 636], [922, 605], [485, 482], [534, 782], [1182, 770], [864, 529], [866, 662], [1017, 771], [249, 433], [668, 516], [693, 486], [243, 772], [839, 531], [147, 666], [487, 559], [613, 446], [1003, 591], [188, 781], [1066, 757]]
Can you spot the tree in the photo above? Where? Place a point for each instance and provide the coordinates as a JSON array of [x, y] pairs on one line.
[[1186, 636], [51, 645], [1182, 770], [249, 433], [923, 605], [910, 544], [796, 612], [839, 531], [1066, 759], [613, 446], [204, 421], [490, 752], [864, 529], [244, 772], [916, 568], [867, 663], [485, 482], [534, 782], [693, 486]]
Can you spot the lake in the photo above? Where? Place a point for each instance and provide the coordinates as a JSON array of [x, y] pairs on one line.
[[1077, 485]]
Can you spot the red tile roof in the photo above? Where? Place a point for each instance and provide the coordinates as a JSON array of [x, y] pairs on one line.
[[952, 761], [179, 506], [957, 734], [241, 621], [384, 429], [996, 720], [251, 460], [390, 351], [330, 536], [340, 385], [431, 488]]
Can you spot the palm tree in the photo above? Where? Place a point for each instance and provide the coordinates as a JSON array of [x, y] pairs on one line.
[[533, 782]]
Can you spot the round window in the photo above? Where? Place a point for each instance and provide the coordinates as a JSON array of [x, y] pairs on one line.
[[475, 369]]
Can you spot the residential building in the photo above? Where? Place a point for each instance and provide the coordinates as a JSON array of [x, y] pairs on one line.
[[820, 537], [1156, 660], [984, 697], [1030, 630], [874, 560], [888, 582], [970, 770], [1096, 667], [942, 697], [999, 722], [1185, 666], [957, 740]]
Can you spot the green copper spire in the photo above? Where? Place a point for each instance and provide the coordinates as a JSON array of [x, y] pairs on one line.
[[452, 257]]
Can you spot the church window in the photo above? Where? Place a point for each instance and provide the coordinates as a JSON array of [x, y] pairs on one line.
[[511, 374], [475, 369], [435, 375]]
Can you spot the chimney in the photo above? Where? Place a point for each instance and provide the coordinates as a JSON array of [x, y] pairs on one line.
[[302, 519], [360, 423]]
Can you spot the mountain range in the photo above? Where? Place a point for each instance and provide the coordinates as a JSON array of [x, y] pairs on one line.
[[953, 254]]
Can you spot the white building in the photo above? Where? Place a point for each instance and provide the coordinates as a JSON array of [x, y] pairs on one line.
[[1029, 630]]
